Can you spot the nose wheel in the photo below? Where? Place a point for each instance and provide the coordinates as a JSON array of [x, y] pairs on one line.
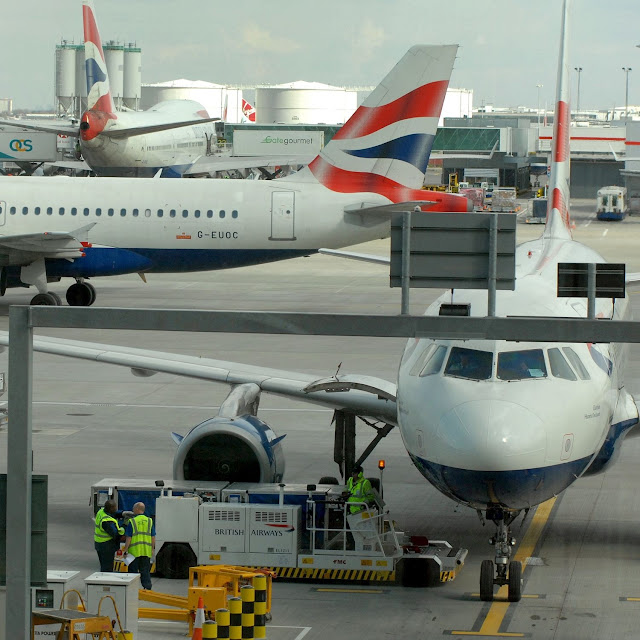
[[503, 570]]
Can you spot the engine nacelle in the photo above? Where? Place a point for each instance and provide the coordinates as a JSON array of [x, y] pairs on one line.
[[242, 449]]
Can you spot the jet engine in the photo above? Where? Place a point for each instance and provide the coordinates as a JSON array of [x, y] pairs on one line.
[[235, 446]]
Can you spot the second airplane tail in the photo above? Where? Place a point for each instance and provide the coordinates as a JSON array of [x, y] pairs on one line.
[[98, 89], [386, 144]]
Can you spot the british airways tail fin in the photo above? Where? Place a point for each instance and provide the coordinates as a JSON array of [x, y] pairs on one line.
[[98, 90], [386, 144], [558, 220]]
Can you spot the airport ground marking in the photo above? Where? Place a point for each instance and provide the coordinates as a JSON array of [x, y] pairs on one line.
[[498, 609], [346, 590]]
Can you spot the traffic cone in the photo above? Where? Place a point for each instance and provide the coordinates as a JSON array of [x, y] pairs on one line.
[[199, 621]]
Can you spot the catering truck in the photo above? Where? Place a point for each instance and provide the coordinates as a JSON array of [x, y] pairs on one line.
[[295, 530]]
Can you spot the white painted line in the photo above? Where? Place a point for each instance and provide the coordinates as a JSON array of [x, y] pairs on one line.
[[588, 223], [604, 233], [301, 635]]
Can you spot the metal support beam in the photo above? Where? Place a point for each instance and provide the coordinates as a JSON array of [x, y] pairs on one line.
[[349, 444], [529, 329], [19, 472], [406, 262], [493, 262]]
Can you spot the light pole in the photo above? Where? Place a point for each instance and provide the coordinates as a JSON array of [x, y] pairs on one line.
[[626, 93], [579, 70], [539, 86]]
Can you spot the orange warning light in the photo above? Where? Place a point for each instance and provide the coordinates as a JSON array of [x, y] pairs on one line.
[[381, 464]]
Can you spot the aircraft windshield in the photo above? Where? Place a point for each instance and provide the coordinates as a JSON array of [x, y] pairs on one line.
[[469, 363], [518, 365]]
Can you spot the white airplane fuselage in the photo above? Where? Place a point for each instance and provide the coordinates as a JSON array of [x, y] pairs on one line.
[[499, 437], [187, 225], [173, 150]]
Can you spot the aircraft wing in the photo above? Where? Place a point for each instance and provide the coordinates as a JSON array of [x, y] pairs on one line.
[[25, 247], [59, 129], [362, 395], [352, 255], [151, 128]]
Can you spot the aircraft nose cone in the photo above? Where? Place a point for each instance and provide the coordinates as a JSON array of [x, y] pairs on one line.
[[492, 435]]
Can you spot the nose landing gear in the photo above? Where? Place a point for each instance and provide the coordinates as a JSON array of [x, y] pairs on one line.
[[503, 571]]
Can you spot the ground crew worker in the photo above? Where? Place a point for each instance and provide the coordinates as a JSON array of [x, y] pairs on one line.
[[106, 536], [359, 490], [140, 542]]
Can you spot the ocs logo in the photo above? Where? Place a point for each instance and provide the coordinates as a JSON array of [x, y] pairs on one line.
[[21, 145]]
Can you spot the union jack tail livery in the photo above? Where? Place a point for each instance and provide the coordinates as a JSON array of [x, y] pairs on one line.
[[248, 112], [385, 146], [558, 220], [98, 90]]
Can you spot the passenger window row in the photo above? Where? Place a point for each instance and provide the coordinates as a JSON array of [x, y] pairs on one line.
[[172, 213]]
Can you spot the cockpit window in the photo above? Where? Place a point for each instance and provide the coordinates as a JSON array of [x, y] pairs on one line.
[[574, 359], [426, 360], [559, 366], [469, 363], [434, 364], [519, 365]]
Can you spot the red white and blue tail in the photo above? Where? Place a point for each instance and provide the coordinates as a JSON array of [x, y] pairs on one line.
[[385, 146], [558, 220], [98, 90]]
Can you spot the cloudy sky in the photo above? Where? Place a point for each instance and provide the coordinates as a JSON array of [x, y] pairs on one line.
[[507, 47]]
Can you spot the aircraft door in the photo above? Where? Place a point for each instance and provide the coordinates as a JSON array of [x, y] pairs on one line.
[[3, 212], [282, 215]]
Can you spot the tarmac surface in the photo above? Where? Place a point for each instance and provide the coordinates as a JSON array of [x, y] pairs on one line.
[[92, 421]]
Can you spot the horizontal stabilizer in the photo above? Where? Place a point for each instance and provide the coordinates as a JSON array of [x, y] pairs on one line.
[[61, 129], [129, 132], [387, 209], [351, 255]]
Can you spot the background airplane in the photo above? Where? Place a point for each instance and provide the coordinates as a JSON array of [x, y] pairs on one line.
[[169, 137], [498, 426], [124, 225]]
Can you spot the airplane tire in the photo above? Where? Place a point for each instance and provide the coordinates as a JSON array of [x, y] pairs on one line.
[[515, 581], [80, 295], [46, 299], [93, 292], [174, 560], [486, 581]]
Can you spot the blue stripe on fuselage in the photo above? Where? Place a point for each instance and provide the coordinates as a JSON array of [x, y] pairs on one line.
[[102, 261], [516, 489]]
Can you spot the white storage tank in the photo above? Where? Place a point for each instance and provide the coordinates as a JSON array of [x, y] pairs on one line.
[[81, 81], [213, 97], [114, 58], [132, 76], [305, 103], [65, 76]]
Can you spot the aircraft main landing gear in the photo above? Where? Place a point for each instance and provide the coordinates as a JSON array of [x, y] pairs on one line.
[[49, 299], [81, 294], [504, 571]]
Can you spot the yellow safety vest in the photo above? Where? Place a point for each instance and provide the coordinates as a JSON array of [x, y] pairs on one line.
[[99, 534], [360, 491], [141, 543]]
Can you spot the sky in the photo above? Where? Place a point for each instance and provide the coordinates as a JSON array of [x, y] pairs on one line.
[[507, 47]]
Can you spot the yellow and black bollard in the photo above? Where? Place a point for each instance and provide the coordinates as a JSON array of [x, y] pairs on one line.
[[260, 607], [223, 622], [235, 618], [248, 595], [209, 629]]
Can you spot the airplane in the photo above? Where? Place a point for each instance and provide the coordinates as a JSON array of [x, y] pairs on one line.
[[110, 226], [495, 425], [168, 137]]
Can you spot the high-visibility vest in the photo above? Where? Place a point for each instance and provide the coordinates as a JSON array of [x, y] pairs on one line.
[[141, 543], [99, 534], [360, 491]]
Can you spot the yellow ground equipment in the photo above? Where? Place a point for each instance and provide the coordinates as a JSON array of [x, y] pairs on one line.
[[74, 624]]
